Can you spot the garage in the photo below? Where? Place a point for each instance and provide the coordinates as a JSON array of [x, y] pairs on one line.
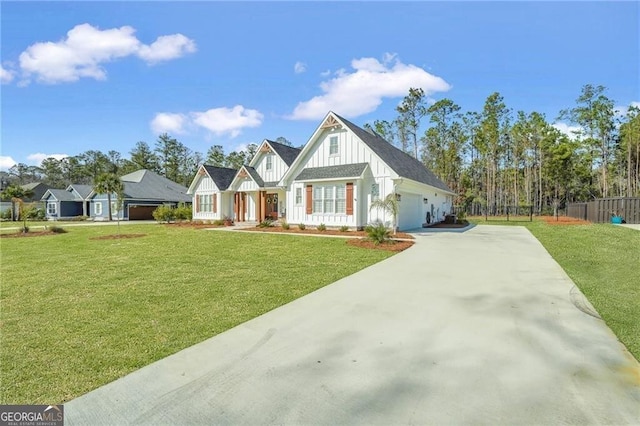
[[141, 212], [410, 215]]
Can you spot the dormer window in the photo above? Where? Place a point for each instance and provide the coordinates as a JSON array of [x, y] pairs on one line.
[[269, 160], [334, 148]]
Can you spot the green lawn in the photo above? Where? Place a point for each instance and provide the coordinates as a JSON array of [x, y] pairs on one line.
[[78, 313], [604, 262]]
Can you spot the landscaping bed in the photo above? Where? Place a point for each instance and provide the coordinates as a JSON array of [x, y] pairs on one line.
[[296, 230]]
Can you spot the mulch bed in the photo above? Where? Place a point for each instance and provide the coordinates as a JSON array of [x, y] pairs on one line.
[[117, 237], [449, 225], [192, 225], [392, 245], [312, 231], [29, 234], [564, 220]]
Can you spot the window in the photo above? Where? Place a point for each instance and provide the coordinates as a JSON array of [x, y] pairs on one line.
[[375, 191], [329, 199], [205, 203], [97, 208], [269, 164], [298, 196], [333, 145], [52, 208]]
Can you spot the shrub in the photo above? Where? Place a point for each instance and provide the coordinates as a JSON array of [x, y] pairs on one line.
[[285, 225], [35, 214], [461, 215], [377, 232], [344, 228], [79, 218], [57, 229], [183, 213], [267, 223], [301, 226], [218, 222], [164, 214], [322, 227], [5, 214]]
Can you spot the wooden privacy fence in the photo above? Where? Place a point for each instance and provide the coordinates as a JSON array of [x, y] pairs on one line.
[[601, 210]]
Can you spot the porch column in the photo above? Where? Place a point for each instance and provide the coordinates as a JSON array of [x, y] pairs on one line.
[[263, 206], [242, 206], [236, 206]]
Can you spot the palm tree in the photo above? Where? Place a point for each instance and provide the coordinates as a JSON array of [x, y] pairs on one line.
[[16, 194], [109, 183], [389, 205]]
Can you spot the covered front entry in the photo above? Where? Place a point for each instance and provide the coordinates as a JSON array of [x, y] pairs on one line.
[[257, 206]]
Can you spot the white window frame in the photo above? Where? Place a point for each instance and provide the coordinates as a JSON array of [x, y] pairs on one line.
[[50, 211], [334, 145], [375, 191], [298, 196], [205, 203], [325, 199], [269, 162], [97, 208]]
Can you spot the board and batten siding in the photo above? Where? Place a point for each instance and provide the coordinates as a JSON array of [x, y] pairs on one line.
[[207, 186], [278, 167]]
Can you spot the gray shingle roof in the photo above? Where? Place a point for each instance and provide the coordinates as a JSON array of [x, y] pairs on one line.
[[147, 185], [255, 176], [83, 190], [222, 176], [287, 153], [402, 163], [332, 172], [62, 195], [271, 184]]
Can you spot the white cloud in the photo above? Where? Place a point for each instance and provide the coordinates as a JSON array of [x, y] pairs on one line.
[[6, 162], [621, 110], [359, 92], [299, 67], [36, 159], [326, 73], [166, 122], [230, 121], [571, 131], [166, 48], [6, 75], [86, 48]]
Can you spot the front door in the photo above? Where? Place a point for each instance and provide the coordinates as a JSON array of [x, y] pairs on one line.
[[272, 206]]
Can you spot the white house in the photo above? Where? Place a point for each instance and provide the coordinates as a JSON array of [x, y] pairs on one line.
[[332, 180]]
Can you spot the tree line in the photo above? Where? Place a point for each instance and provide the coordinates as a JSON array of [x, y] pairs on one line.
[[169, 158], [495, 158]]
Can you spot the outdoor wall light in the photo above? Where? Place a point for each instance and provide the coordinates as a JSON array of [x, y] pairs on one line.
[[398, 197], [425, 200]]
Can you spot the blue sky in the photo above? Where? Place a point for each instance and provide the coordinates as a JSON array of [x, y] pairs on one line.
[[83, 75]]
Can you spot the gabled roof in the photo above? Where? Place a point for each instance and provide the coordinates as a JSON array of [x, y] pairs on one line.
[[61, 195], [287, 153], [254, 175], [147, 185], [83, 190], [402, 163], [332, 172], [33, 185], [221, 176]]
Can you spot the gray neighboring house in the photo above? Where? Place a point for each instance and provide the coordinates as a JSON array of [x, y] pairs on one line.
[[67, 203], [144, 191]]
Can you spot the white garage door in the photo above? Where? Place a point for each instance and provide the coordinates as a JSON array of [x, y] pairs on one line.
[[410, 216]]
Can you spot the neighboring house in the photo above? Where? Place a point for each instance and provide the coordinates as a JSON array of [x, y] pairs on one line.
[[38, 189], [332, 180], [144, 191], [67, 203]]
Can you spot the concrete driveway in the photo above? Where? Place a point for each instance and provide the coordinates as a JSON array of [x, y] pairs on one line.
[[478, 327]]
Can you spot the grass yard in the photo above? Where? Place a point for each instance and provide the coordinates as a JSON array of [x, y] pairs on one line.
[[603, 260], [77, 313]]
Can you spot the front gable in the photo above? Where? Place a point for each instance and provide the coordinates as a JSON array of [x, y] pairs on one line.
[[268, 163], [247, 179], [335, 144], [202, 182]]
